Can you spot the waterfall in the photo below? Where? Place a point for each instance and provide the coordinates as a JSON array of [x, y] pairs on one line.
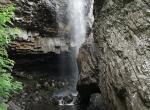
[[76, 16], [77, 32], [77, 24]]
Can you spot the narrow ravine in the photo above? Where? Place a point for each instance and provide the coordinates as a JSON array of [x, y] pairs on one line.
[[81, 54]]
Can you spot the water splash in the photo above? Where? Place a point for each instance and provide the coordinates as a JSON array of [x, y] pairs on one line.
[[68, 92], [76, 16], [62, 102]]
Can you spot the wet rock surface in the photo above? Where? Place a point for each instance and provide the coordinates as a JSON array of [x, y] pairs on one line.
[[88, 63], [121, 33], [35, 92], [39, 95], [96, 102], [12, 106]]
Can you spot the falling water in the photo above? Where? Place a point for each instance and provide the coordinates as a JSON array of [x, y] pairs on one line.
[[77, 24], [77, 32], [76, 16]]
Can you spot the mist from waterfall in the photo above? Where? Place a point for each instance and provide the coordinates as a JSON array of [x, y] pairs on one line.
[[76, 16], [77, 24], [76, 32]]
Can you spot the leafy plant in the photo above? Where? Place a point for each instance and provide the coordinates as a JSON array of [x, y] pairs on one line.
[[7, 84]]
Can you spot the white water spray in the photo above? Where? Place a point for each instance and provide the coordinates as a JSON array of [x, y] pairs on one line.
[[77, 33], [76, 16], [61, 102]]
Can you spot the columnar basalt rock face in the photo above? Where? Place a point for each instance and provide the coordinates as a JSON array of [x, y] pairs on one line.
[[121, 33]]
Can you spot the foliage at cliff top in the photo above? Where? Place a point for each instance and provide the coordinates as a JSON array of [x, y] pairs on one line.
[[7, 84]]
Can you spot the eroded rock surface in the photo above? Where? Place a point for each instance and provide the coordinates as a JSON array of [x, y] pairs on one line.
[[87, 55], [44, 25], [41, 23], [88, 63], [44, 32], [96, 102], [121, 32]]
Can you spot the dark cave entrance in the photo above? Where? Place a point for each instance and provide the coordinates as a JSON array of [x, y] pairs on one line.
[[51, 65]]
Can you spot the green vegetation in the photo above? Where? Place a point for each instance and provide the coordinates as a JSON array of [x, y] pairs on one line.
[[7, 84]]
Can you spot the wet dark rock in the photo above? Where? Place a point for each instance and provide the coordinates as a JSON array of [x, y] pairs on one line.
[[32, 95], [12, 106], [68, 99], [39, 26], [63, 99], [96, 102], [85, 92], [88, 63]]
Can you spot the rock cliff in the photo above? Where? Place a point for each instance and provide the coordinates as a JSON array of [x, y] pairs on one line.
[[114, 60], [40, 22], [121, 33], [44, 34]]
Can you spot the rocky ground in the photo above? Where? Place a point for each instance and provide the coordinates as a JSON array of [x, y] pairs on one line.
[[35, 92], [39, 93]]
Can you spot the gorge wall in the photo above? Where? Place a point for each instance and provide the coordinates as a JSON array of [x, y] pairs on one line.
[[121, 33], [44, 35]]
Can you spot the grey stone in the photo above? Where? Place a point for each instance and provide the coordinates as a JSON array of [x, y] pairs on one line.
[[96, 102], [121, 33], [12, 106]]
